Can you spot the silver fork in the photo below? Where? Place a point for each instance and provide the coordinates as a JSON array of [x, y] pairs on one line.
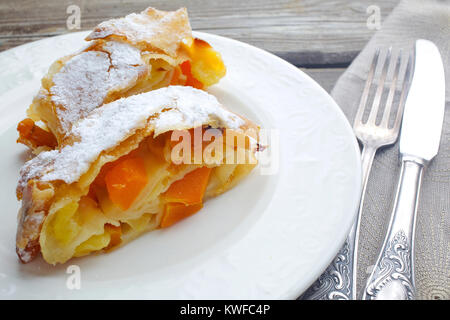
[[339, 279]]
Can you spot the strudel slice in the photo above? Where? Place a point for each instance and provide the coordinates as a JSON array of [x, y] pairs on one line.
[[123, 57], [133, 165]]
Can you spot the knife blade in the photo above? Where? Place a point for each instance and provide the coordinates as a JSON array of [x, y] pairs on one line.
[[425, 105]]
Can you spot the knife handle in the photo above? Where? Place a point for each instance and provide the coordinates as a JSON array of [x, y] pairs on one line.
[[393, 273]]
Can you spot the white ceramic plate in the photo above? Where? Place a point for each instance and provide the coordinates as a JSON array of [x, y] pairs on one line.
[[270, 237]]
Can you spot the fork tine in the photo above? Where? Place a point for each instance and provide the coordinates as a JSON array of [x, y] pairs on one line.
[[366, 91], [390, 98], [380, 89], [401, 103]]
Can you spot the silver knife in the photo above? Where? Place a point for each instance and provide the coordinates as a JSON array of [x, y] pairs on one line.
[[393, 273]]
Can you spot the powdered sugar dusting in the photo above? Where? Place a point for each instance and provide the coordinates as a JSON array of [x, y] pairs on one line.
[[137, 27], [85, 80], [122, 53], [161, 29], [105, 127], [24, 255]]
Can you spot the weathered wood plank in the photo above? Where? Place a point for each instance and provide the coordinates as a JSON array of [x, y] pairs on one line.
[[304, 32], [325, 77]]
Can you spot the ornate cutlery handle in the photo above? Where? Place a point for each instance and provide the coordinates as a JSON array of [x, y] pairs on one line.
[[338, 282], [393, 274]]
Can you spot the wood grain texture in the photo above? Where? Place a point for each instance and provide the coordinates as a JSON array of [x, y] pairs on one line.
[[326, 77], [304, 32]]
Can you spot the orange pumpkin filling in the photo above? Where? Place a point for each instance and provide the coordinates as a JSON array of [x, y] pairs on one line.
[[34, 136], [185, 197], [125, 181], [190, 189], [126, 177], [204, 69], [174, 212], [190, 80], [206, 64]]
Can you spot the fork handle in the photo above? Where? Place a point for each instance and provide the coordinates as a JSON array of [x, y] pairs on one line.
[[393, 273]]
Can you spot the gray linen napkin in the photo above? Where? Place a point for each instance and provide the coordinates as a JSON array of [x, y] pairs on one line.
[[410, 20]]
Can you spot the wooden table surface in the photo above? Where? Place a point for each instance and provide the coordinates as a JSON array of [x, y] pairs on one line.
[[320, 36]]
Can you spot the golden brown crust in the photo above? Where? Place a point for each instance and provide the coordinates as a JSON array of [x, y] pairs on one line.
[[151, 29], [36, 200]]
